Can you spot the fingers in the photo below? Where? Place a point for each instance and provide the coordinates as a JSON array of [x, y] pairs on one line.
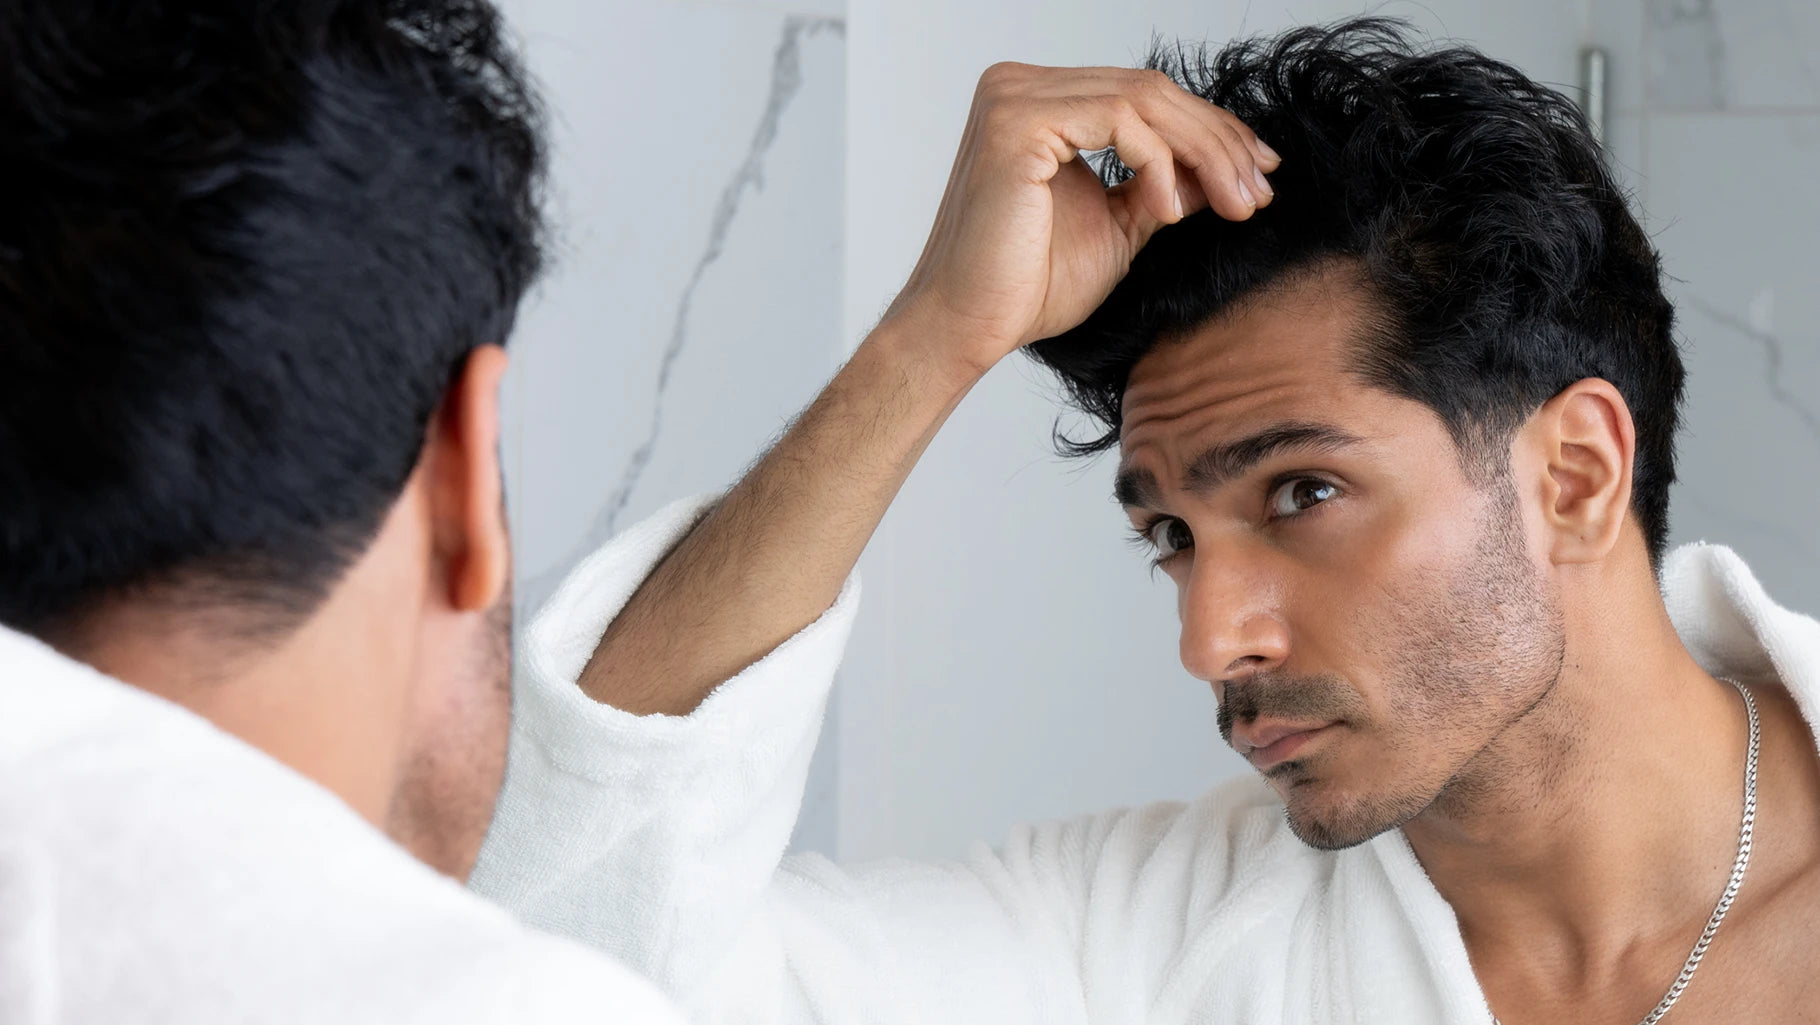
[[1184, 150], [1208, 141], [1093, 123], [1221, 120], [1247, 152]]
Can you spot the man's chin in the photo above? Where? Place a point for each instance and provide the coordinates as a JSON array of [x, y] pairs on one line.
[[1331, 821]]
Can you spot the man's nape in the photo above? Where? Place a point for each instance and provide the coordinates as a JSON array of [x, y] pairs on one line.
[[393, 691]]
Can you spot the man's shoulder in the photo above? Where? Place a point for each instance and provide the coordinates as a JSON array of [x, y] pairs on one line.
[[153, 868], [1733, 627]]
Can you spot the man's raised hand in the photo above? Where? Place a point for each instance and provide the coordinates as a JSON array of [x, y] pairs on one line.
[[1027, 240]]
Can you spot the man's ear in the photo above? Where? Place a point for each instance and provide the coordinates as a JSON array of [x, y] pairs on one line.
[[469, 535], [1585, 439]]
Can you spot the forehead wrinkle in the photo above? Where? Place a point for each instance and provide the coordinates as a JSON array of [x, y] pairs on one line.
[[1139, 483], [1194, 406], [1170, 396]]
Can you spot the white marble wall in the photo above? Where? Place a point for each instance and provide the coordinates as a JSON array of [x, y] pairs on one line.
[[1716, 124], [695, 301]]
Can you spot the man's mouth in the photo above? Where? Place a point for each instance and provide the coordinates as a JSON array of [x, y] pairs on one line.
[[1267, 743]]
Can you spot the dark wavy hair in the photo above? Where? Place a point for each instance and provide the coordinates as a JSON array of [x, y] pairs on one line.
[[1501, 261], [244, 247]]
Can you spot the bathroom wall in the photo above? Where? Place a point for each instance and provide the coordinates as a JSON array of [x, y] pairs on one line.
[[1716, 125], [697, 175]]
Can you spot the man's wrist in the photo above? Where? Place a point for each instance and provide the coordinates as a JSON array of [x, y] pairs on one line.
[[933, 351]]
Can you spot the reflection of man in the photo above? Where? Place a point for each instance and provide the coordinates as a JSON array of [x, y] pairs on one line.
[[1403, 442]]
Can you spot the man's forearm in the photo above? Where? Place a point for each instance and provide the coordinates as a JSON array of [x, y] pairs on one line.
[[773, 555]]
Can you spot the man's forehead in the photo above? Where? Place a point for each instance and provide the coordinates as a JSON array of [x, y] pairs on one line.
[[1289, 348]]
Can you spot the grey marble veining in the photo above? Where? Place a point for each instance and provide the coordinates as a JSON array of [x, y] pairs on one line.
[[624, 472], [695, 297], [1722, 150], [786, 79], [1729, 201], [1710, 55], [1761, 502], [1775, 380]]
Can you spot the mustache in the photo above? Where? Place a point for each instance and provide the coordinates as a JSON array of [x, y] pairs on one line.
[[1292, 698]]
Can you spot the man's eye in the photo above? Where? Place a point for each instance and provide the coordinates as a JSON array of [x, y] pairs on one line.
[[1294, 497], [1170, 536]]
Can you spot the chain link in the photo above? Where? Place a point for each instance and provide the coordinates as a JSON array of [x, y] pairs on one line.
[[1739, 864]]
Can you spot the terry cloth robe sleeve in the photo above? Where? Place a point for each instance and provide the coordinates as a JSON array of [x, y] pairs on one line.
[[661, 839]]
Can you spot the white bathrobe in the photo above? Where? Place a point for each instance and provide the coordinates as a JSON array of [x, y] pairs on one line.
[[154, 870], [660, 840]]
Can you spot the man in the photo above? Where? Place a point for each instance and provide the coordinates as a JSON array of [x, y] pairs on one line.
[[1403, 441], [257, 258], [254, 261]]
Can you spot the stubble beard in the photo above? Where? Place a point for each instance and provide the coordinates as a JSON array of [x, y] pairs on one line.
[[449, 786], [1473, 658]]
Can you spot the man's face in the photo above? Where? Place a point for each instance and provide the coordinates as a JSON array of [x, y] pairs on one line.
[[1369, 616]]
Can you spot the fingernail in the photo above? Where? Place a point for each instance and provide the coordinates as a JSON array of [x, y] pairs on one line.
[[1245, 191], [1187, 199], [1263, 182], [1270, 154]]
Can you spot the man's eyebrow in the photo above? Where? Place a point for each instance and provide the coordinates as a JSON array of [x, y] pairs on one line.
[[1137, 487], [1224, 463]]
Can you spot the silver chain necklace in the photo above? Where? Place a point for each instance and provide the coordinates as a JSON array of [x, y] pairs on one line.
[[1738, 867]]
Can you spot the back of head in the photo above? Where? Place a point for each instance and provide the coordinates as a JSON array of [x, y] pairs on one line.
[[245, 247], [1497, 250]]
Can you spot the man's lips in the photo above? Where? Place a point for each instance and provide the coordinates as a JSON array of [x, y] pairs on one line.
[[1266, 743]]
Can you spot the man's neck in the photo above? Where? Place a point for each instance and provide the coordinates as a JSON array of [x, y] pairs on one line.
[[1609, 812], [309, 697]]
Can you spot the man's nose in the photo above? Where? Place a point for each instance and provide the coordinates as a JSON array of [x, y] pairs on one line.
[[1231, 622]]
